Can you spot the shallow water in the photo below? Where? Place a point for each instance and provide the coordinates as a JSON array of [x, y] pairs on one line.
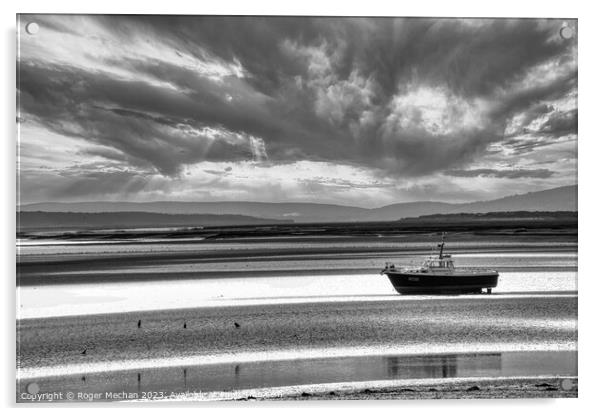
[[93, 298], [27, 248], [266, 276], [161, 382]]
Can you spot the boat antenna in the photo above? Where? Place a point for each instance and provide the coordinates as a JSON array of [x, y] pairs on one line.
[[440, 245]]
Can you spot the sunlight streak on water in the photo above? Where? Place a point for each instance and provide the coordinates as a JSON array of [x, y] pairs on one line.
[[94, 298]]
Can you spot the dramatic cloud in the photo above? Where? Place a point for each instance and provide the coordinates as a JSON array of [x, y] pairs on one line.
[[139, 104]]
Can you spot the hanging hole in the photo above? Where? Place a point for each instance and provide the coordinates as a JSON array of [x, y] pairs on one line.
[[32, 28], [566, 32]]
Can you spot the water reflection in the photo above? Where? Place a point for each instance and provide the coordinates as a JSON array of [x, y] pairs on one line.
[[234, 376], [444, 366]]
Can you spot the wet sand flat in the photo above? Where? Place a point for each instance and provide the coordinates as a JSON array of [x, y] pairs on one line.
[[114, 341], [307, 351]]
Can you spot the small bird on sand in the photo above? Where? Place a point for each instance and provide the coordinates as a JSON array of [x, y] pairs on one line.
[[139, 323], [236, 324], [184, 325], [84, 351]]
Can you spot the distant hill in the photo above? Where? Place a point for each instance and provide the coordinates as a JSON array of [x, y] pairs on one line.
[[557, 199], [499, 216], [37, 220], [299, 212]]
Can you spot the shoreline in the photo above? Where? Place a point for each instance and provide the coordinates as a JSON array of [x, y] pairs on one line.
[[542, 387], [464, 388]]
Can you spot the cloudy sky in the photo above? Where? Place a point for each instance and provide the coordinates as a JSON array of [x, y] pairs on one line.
[[352, 111]]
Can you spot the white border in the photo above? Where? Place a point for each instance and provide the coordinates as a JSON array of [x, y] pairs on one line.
[[462, 8], [589, 161]]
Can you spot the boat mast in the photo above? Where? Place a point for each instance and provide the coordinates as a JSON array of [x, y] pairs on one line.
[[440, 245]]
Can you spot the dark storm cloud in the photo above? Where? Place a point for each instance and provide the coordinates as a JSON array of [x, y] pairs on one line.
[[502, 173], [473, 57], [560, 124], [327, 89], [70, 102]]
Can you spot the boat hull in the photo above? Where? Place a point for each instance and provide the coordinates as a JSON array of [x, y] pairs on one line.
[[425, 283]]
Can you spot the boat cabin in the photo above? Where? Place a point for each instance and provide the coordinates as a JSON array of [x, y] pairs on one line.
[[443, 262]]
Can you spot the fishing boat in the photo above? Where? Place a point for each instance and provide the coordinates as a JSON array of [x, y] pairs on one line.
[[438, 275]]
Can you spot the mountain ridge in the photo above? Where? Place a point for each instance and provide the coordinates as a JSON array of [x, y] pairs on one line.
[[556, 199]]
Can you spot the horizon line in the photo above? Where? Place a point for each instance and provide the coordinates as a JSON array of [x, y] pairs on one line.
[[288, 202]]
